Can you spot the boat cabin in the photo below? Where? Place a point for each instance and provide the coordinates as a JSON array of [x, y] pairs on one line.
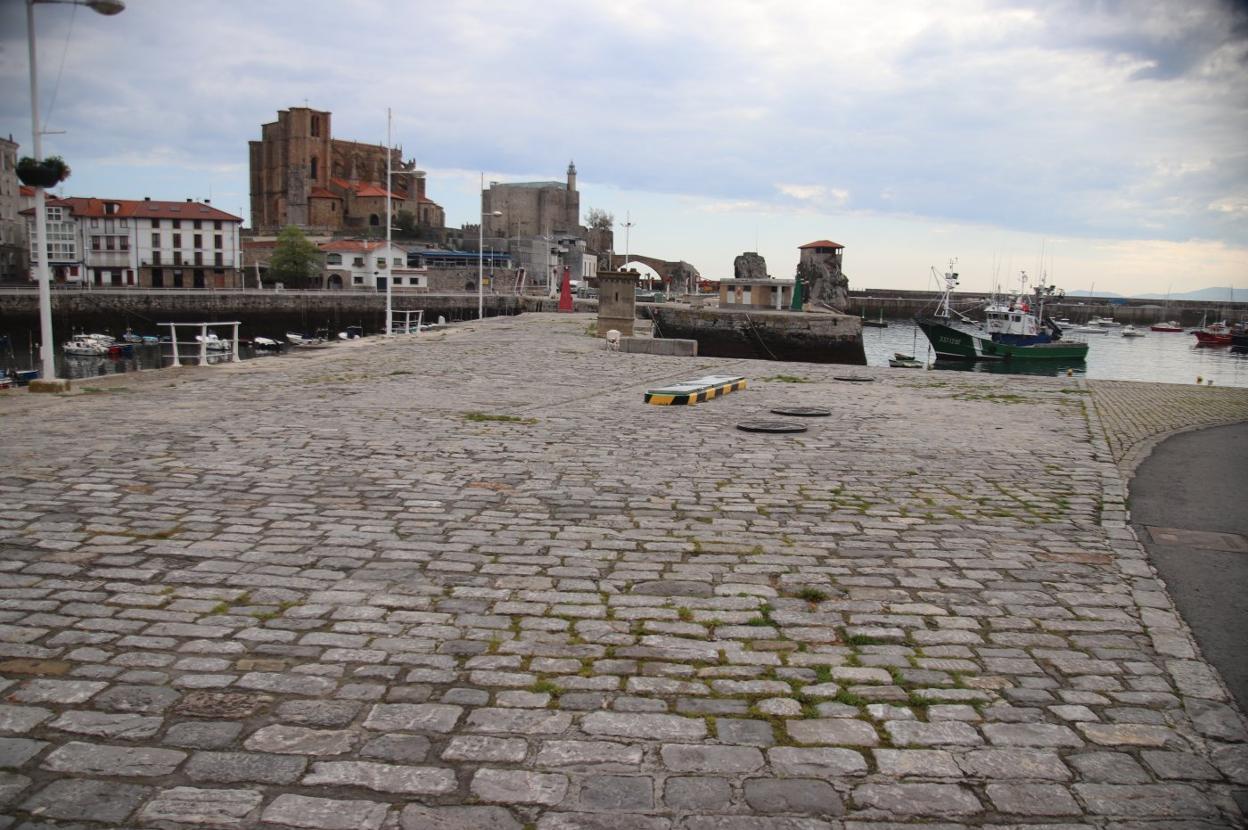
[[1012, 319]]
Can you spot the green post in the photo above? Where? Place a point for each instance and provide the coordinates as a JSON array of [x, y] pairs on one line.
[[798, 301]]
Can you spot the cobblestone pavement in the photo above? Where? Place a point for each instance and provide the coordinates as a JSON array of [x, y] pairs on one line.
[[1137, 415], [472, 581]]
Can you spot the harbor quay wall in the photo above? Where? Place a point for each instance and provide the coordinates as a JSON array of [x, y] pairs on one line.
[[262, 312], [901, 305]]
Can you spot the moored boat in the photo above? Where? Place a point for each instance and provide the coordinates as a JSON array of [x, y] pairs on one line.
[[1169, 326], [1131, 331], [1014, 329], [213, 343], [1214, 334], [84, 347]]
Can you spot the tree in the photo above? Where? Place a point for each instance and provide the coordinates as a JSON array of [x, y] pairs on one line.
[[406, 224], [599, 219], [295, 261]]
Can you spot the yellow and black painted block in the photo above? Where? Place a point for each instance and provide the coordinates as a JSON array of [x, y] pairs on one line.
[[695, 391]]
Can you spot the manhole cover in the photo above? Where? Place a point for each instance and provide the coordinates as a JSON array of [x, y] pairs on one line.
[[803, 411], [853, 379], [229, 705], [770, 426], [1205, 539]]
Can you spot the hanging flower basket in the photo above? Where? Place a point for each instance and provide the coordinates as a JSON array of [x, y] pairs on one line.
[[47, 173]]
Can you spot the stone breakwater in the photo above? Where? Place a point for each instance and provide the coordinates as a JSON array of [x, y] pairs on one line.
[[472, 581]]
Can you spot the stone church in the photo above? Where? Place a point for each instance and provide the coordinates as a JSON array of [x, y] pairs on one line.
[[302, 175]]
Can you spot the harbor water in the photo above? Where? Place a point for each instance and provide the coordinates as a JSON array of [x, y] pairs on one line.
[[1158, 357]]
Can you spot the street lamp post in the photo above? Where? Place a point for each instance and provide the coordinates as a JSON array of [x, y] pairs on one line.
[[628, 227], [481, 252], [42, 275]]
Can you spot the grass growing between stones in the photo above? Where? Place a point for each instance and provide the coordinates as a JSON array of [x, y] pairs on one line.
[[788, 379], [486, 417]]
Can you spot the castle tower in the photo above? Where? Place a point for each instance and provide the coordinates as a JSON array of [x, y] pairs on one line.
[[571, 177]]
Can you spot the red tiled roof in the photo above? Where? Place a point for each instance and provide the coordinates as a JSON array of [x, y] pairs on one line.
[[141, 209], [323, 193], [28, 192], [821, 243], [369, 189]]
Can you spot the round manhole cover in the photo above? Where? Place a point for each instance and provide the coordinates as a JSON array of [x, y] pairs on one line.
[[770, 426], [803, 411], [853, 379]]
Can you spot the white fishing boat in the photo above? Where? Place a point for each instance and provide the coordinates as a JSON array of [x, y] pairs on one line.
[[1131, 331], [84, 347], [214, 343]]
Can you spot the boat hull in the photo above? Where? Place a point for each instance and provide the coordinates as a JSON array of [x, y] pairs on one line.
[[1205, 338], [949, 342], [763, 334]]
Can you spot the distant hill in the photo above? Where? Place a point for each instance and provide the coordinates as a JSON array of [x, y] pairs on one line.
[[1212, 295], [1084, 293]]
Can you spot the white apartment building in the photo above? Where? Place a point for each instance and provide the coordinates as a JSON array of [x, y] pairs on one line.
[[355, 263], [127, 242]]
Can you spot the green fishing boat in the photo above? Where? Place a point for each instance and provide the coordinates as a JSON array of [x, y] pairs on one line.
[[1014, 329]]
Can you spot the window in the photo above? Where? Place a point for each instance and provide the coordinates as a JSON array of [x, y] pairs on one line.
[[198, 279], [155, 257], [95, 223], [177, 258], [109, 226], [216, 240], [56, 214], [158, 278], [155, 223], [313, 168], [397, 262], [125, 223], [110, 243], [333, 259], [316, 126], [216, 225], [177, 279], [217, 259], [156, 239], [177, 223], [199, 239], [123, 243], [381, 262], [199, 258], [358, 262], [95, 243], [198, 224], [357, 280], [177, 240]]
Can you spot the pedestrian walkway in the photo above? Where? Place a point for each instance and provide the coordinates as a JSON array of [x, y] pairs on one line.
[[471, 580]]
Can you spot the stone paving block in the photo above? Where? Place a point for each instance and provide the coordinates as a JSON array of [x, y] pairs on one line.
[[926, 763], [386, 778], [793, 795], [820, 762], [587, 754], [643, 726], [22, 718], [697, 793], [14, 752], [519, 721], [211, 808], [1032, 799], [615, 793], [245, 767], [148, 700], [87, 800], [1032, 734], [79, 758], [300, 740], [41, 690], [1146, 801], [917, 799], [484, 748], [124, 726], [710, 759], [992, 764], [755, 823], [1109, 768], [945, 733], [519, 786], [835, 731], [324, 813], [203, 734], [409, 717], [602, 821], [420, 817]]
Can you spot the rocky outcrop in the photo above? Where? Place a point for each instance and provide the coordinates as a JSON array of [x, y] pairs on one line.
[[749, 266]]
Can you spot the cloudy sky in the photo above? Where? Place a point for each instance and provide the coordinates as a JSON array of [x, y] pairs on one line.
[[1100, 141]]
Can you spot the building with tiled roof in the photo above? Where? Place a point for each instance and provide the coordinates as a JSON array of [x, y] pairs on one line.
[[140, 242], [301, 175], [12, 227]]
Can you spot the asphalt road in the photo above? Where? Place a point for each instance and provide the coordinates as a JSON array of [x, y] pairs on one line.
[[1199, 481]]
